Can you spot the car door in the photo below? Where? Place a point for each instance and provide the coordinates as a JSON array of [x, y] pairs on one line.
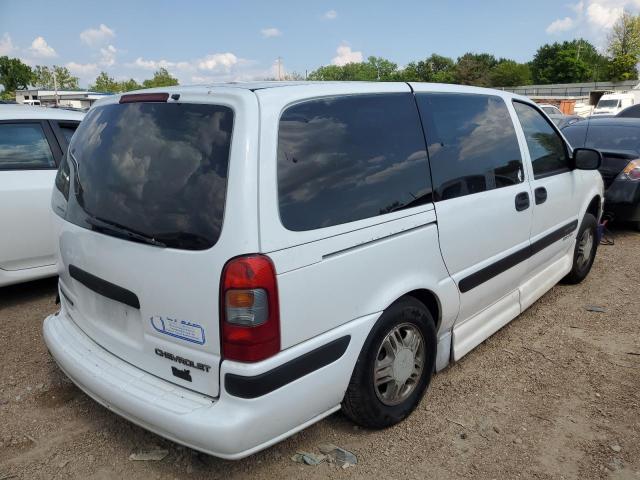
[[28, 163], [557, 190], [482, 203]]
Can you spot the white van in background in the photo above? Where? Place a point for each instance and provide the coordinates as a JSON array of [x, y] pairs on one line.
[[239, 261], [613, 103]]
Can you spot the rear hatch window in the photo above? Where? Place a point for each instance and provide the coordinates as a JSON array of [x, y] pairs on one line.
[[150, 172]]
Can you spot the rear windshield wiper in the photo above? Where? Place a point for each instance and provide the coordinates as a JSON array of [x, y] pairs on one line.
[[184, 240], [118, 230]]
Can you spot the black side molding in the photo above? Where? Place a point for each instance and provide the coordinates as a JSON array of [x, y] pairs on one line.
[[487, 273], [253, 387], [104, 288], [553, 237]]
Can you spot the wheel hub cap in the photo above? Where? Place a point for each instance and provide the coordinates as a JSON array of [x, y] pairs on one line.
[[399, 364], [584, 248]]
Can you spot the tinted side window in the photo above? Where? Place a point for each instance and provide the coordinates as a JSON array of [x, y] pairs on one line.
[[62, 177], [68, 129], [23, 146], [342, 159], [472, 143], [546, 148]]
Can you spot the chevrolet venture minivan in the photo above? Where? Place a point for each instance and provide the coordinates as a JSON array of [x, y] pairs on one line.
[[238, 261]]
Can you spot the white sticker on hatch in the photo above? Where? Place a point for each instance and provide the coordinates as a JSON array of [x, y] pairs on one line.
[[191, 332]]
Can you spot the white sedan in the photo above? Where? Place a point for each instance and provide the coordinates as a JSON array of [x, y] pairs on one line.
[[32, 142]]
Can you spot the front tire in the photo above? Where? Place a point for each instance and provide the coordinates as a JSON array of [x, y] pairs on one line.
[[395, 366], [585, 250]]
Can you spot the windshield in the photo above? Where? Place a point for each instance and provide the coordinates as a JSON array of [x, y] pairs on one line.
[[550, 110], [608, 104], [151, 171]]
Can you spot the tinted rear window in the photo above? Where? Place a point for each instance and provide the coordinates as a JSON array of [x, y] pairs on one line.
[[342, 159], [153, 168]]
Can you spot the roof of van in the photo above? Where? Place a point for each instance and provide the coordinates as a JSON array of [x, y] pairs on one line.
[[313, 89], [314, 85], [280, 84], [28, 112]]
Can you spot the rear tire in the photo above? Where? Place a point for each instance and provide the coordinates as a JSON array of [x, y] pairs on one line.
[[386, 384], [585, 250]]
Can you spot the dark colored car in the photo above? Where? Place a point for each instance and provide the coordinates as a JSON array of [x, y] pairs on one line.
[[619, 141], [630, 112]]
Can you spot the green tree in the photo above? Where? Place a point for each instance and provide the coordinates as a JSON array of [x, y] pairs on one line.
[[623, 47], [381, 69], [475, 69], [161, 78], [568, 62], [106, 84], [14, 75], [128, 85], [435, 68], [43, 77], [375, 68], [508, 73]]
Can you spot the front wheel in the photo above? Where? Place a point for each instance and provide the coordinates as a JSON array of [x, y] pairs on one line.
[[585, 250], [395, 366]]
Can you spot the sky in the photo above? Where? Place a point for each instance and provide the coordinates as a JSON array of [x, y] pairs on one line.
[[206, 41]]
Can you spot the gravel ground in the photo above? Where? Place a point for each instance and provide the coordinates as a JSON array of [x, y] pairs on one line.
[[555, 394]]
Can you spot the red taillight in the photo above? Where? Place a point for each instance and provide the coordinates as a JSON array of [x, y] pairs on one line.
[[144, 97], [249, 311]]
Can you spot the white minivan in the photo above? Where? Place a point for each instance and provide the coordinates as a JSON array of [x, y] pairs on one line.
[[238, 261]]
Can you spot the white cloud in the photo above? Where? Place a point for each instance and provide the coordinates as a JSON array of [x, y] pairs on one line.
[[602, 15], [212, 63], [6, 44], [218, 61], [330, 15], [108, 55], [593, 18], [346, 55], [97, 36], [270, 32], [41, 49], [560, 25]]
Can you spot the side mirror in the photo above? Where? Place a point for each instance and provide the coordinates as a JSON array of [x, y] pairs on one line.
[[587, 159]]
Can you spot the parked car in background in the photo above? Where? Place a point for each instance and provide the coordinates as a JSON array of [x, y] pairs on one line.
[[630, 112], [613, 103], [239, 261], [556, 115], [32, 142], [619, 141]]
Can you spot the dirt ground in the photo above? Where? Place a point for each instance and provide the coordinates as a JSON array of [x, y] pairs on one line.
[[555, 394]]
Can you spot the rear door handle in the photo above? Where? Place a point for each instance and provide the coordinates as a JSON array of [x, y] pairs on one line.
[[522, 201], [541, 195]]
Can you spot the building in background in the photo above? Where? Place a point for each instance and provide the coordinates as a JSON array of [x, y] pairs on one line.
[[80, 99], [574, 98]]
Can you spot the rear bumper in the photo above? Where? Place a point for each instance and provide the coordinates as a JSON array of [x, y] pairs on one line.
[[228, 427], [622, 199]]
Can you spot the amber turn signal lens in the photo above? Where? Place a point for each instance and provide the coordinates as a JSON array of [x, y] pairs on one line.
[[240, 298]]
